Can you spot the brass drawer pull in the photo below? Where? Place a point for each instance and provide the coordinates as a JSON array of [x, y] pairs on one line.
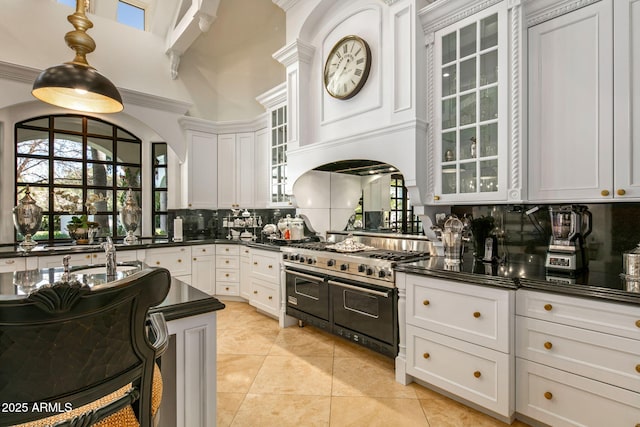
[[476, 314], [621, 192], [638, 369], [87, 256], [548, 345], [477, 374], [638, 323], [226, 289], [270, 297], [436, 198], [179, 260], [426, 355], [255, 292], [548, 395], [226, 261], [604, 193], [157, 262], [226, 275], [195, 259], [255, 262], [426, 302], [10, 261], [270, 266], [548, 307], [204, 250], [226, 249]]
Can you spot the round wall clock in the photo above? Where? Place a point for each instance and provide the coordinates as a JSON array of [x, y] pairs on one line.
[[347, 67]]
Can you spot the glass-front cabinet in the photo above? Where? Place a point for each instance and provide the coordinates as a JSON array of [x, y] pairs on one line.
[[469, 133]]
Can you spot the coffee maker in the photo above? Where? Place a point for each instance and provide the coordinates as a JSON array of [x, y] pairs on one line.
[[570, 225]]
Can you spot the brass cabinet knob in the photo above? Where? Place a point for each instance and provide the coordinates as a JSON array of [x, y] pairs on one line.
[[255, 292], [548, 307], [226, 289], [604, 193], [548, 345], [426, 302], [246, 251], [621, 192], [638, 369], [436, 198], [255, 262], [426, 355], [548, 395], [10, 261], [226, 249], [157, 262], [204, 250], [638, 323], [95, 255], [270, 266], [195, 259], [190, 205], [226, 261], [87, 256], [270, 297], [476, 314], [477, 374], [226, 275], [179, 260]]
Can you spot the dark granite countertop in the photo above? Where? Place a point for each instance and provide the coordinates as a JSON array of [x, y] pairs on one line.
[[183, 300], [528, 272]]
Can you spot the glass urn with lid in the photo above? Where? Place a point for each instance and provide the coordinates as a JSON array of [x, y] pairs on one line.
[[130, 216], [27, 217]]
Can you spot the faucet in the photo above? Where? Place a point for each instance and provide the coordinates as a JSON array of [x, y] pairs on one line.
[[110, 252]]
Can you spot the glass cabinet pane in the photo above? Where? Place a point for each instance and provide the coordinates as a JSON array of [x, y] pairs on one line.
[[468, 74], [468, 143], [449, 80], [489, 175], [468, 178], [449, 48], [489, 140], [449, 180], [449, 113], [448, 146], [489, 68], [467, 109], [489, 103], [489, 32], [468, 40]]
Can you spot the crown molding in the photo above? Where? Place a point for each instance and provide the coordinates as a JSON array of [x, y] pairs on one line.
[[297, 51], [274, 96], [285, 4], [540, 11], [218, 128]]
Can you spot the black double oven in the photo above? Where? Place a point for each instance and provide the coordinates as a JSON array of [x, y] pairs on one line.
[[350, 295]]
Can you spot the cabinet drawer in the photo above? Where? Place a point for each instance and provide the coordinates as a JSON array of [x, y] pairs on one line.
[[54, 261], [265, 296], [228, 249], [475, 373], [602, 316], [559, 398], [227, 289], [8, 265], [225, 275], [245, 252], [227, 262], [477, 314], [608, 358], [200, 250], [266, 266], [175, 259]]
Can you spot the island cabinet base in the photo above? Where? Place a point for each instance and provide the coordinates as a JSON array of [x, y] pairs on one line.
[[190, 399], [560, 398]]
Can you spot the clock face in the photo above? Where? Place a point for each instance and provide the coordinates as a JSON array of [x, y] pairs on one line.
[[347, 67]]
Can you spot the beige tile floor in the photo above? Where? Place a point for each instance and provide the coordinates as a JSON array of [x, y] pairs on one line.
[[269, 376]]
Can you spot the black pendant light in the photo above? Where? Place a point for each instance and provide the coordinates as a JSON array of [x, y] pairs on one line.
[[77, 85]]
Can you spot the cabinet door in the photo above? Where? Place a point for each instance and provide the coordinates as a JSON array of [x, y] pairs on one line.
[[470, 96], [227, 171], [200, 171], [203, 273], [262, 176], [175, 259], [627, 98], [570, 106], [245, 278], [245, 169]]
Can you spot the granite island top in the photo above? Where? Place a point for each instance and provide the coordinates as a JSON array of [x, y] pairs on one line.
[[528, 272], [182, 300]]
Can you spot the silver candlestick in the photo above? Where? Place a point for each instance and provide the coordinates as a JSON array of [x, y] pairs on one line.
[[27, 217], [130, 216]]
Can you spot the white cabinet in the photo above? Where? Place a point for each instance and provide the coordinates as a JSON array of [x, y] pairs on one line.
[[459, 338], [469, 101], [203, 268], [228, 270], [262, 175], [570, 105], [199, 171], [176, 259], [583, 105], [265, 281], [245, 273], [8, 265], [577, 360], [236, 170]]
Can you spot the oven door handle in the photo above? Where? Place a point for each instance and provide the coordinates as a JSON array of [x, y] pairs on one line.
[[358, 288], [305, 276]]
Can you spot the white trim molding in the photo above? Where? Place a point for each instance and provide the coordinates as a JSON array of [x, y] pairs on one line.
[[542, 10]]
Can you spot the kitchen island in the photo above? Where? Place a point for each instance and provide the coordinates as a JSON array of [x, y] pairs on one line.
[[189, 364], [516, 342]]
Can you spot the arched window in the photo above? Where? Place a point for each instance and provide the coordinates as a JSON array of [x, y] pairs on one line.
[[77, 166]]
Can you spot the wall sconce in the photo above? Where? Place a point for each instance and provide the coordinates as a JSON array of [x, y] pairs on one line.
[[77, 85]]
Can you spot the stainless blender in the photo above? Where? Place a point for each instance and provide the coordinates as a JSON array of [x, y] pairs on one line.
[[570, 225]]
